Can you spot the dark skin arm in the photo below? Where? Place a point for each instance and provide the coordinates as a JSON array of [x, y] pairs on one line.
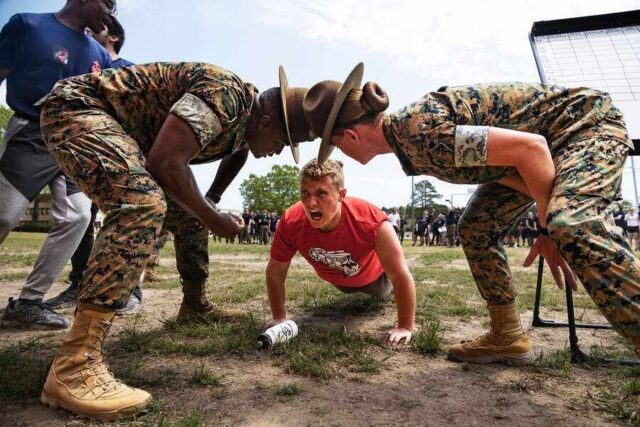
[[229, 168], [168, 161]]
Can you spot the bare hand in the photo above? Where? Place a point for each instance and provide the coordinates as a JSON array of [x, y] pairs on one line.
[[545, 247], [230, 225], [396, 335]]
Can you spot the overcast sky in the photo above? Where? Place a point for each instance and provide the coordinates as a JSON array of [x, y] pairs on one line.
[[409, 47]]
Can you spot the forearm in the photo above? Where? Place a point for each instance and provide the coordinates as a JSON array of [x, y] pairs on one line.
[[228, 169], [404, 290], [538, 175], [276, 277], [179, 183]]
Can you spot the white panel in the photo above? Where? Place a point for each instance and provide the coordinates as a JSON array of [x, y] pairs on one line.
[[607, 60]]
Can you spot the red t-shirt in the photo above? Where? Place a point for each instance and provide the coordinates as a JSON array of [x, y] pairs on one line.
[[344, 256]]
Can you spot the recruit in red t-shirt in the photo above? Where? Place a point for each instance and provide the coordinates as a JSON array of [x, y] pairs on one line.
[[344, 256]]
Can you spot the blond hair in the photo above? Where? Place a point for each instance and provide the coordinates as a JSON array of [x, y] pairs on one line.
[[330, 168]]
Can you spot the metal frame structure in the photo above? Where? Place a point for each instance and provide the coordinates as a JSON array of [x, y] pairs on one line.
[[563, 26]]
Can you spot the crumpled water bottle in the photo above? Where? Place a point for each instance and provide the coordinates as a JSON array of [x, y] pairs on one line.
[[282, 332]]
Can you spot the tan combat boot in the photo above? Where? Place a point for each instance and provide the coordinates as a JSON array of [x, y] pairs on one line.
[[150, 274], [506, 342], [79, 379], [196, 307]]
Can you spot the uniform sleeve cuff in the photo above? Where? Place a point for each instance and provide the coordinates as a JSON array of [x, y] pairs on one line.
[[199, 116], [471, 146]]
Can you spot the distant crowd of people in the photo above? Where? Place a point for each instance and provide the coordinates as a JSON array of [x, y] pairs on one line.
[[627, 221], [432, 229], [259, 228]]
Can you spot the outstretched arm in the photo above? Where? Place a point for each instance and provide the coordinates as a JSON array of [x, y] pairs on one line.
[[276, 276], [388, 249]]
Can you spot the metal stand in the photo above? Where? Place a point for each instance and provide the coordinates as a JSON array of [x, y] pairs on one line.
[[577, 356]]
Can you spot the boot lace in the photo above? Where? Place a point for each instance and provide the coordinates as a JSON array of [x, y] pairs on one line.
[[96, 365]]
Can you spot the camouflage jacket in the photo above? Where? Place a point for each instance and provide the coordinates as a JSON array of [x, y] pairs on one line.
[[444, 134], [213, 101]]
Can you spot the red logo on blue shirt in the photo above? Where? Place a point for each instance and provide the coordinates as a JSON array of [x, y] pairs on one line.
[[95, 67], [61, 55]]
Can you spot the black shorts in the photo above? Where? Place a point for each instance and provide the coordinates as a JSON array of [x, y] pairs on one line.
[[633, 229], [27, 163]]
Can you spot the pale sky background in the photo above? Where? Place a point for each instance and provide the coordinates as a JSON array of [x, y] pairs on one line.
[[409, 47]]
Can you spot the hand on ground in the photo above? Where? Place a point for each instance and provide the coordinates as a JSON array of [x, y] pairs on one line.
[[396, 335]]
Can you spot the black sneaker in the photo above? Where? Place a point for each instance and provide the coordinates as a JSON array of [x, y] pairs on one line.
[[135, 303], [65, 299], [24, 313]]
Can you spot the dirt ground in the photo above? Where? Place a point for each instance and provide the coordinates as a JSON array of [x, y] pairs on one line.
[[410, 389]]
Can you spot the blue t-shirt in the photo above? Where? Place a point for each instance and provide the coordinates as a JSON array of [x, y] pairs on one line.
[[38, 50], [121, 62]]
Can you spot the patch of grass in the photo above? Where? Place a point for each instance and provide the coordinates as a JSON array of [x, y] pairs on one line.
[[458, 301], [621, 402], [23, 370], [559, 360], [196, 339], [629, 371], [17, 259], [12, 276], [206, 377], [322, 352], [287, 390], [441, 256], [192, 420], [428, 340]]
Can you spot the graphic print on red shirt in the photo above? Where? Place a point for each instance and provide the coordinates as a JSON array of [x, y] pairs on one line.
[[344, 256]]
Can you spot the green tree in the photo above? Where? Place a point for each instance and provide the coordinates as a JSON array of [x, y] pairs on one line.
[[5, 113], [424, 194], [275, 191]]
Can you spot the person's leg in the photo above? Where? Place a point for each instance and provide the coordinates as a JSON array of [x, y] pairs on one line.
[[71, 215], [191, 240], [631, 237], [26, 167], [108, 165], [588, 178], [12, 202], [12, 207], [21, 313], [489, 215], [150, 274], [81, 255]]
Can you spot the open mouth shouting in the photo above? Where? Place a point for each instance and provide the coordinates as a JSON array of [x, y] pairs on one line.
[[315, 214]]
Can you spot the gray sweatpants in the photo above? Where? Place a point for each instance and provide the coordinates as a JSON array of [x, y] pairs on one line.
[[71, 215]]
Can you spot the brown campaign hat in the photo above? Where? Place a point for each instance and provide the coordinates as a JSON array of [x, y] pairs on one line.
[[322, 105], [296, 124]]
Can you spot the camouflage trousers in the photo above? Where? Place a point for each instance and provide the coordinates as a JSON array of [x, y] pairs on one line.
[[96, 153], [588, 176]]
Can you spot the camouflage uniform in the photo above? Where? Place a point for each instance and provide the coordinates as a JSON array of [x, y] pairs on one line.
[[100, 127], [444, 134]]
